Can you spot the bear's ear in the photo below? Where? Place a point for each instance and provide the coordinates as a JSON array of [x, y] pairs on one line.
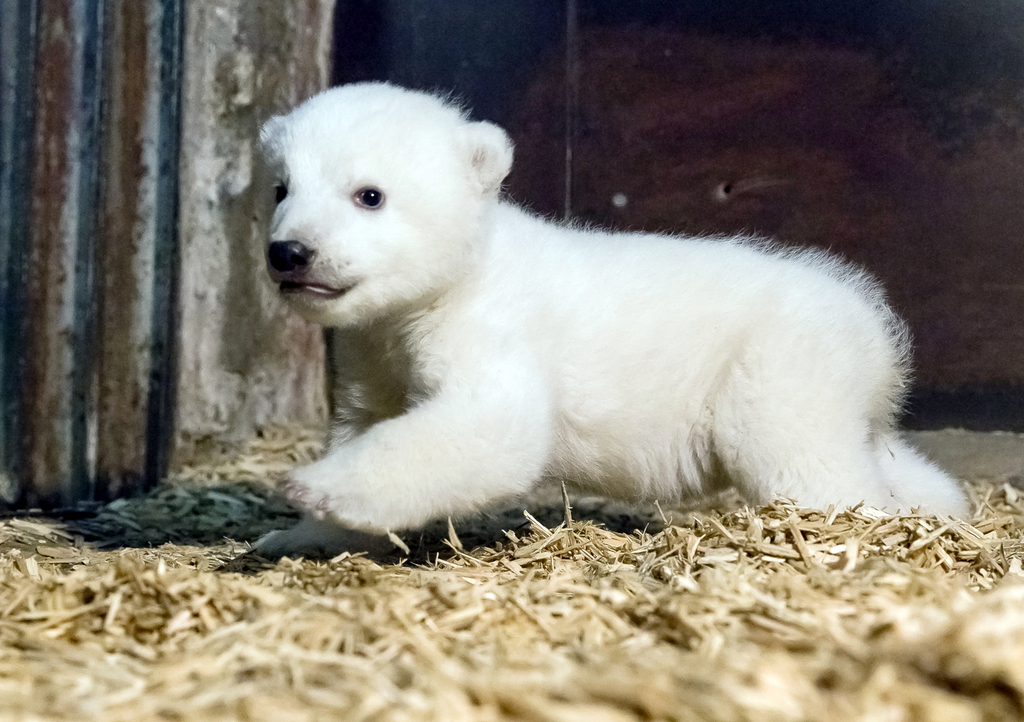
[[272, 137], [490, 153]]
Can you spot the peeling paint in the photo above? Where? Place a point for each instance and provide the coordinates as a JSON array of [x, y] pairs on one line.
[[244, 362]]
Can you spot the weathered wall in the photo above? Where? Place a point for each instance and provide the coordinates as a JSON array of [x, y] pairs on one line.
[[243, 361]]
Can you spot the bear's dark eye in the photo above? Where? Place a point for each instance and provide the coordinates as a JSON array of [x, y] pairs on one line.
[[369, 197], [280, 192]]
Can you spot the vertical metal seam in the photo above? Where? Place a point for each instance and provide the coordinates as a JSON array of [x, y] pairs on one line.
[[160, 422], [89, 115], [15, 234]]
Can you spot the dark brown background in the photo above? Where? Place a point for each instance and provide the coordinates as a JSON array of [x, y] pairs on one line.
[[889, 133]]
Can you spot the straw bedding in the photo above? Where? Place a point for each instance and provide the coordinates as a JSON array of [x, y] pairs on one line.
[[152, 609]]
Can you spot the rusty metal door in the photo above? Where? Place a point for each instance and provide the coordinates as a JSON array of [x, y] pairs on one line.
[[88, 231], [133, 321]]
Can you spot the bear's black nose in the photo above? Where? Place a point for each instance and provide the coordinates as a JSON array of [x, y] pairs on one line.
[[286, 256]]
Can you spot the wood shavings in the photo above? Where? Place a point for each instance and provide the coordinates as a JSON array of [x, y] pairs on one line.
[[730, 614]]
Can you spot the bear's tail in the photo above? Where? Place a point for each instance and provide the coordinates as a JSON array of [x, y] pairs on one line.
[[916, 482]]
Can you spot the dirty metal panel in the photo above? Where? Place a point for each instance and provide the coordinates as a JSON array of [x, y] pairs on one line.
[[126, 243], [97, 330], [161, 427], [59, 297], [17, 110], [136, 261]]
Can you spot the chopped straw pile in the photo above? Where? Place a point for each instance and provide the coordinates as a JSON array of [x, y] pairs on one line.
[[778, 613]]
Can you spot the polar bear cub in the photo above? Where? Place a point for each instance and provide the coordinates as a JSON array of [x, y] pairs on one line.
[[486, 350]]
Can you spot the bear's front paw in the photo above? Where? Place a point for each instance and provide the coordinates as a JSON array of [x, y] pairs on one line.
[[306, 499], [304, 488], [333, 489]]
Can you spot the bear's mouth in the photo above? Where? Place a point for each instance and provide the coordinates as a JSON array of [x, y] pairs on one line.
[[312, 290]]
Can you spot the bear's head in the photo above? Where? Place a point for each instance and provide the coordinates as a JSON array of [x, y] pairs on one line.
[[381, 196]]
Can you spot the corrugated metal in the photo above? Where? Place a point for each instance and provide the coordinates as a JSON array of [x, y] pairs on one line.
[[135, 263], [88, 220], [91, 314], [125, 272], [17, 113], [104, 362], [161, 426], [59, 297]]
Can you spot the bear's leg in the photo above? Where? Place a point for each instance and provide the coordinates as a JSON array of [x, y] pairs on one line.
[[479, 440]]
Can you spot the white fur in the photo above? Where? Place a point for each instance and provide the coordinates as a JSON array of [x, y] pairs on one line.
[[487, 350]]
